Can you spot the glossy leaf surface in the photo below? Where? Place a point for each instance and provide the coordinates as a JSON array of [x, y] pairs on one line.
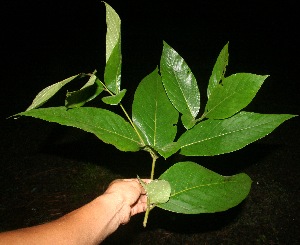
[[232, 95], [114, 99], [168, 150], [112, 74], [106, 125], [49, 92], [219, 69], [214, 137], [152, 112], [113, 32], [179, 82], [195, 189]]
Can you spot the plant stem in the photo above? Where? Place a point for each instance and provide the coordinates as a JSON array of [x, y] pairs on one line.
[[126, 114], [154, 158], [147, 213]]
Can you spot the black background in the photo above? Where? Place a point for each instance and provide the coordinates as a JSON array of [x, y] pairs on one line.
[[43, 42], [69, 36]]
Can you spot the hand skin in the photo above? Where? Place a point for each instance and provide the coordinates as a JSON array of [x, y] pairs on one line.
[[89, 224]]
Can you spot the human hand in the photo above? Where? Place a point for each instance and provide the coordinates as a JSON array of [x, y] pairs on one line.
[[131, 195], [89, 224]]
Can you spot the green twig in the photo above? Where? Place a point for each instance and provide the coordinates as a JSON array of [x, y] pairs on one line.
[[147, 213], [154, 158], [132, 124], [126, 114]]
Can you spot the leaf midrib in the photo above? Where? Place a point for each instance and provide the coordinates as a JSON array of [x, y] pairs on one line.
[[181, 90], [231, 132], [95, 127], [203, 185]]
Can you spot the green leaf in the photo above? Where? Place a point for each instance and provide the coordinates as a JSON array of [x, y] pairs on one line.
[[113, 33], [87, 93], [114, 99], [219, 69], [195, 189], [158, 191], [179, 82], [112, 74], [153, 113], [232, 95], [168, 150], [49, 92], [106, 125], [188, 121], [213, 137]]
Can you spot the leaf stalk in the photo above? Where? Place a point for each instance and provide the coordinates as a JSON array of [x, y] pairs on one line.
[[126, 114]]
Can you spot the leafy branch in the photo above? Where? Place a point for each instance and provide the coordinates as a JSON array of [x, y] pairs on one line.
[[166, 98]]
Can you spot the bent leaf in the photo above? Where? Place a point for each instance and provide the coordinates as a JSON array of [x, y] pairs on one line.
[[153, 113], [219, 69], [214, 137], [49, 92], [232, 95], [179, 82], [188, 121], [106, 125], [112, 73], [195, 189], [87, 93], [114, 99], [158, 191], [168, 150]]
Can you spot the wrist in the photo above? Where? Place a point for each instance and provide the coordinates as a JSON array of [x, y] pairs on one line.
[[119, 208]]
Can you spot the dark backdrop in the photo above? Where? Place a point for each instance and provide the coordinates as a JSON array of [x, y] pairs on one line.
[[43, 42]]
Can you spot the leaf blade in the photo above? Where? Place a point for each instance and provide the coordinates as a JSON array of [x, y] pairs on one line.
[[114, 99], [179, 82], [158, 191], [232, 95], [106, 125], [87, 93], [153, 113], [218, 71], [113, 23], [48, 92], [214, 137], [195, 189], [112, 73]]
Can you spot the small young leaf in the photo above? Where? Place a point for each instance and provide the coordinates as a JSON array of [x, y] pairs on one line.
[[158, 191], [219, 69], [114, 99], [179, 82], [188, 121], [49, 92], [214, 137], [168, 150], [87, 93], [112, 73], [232, 95], [153, 113], [195, 189], [106, 125]]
